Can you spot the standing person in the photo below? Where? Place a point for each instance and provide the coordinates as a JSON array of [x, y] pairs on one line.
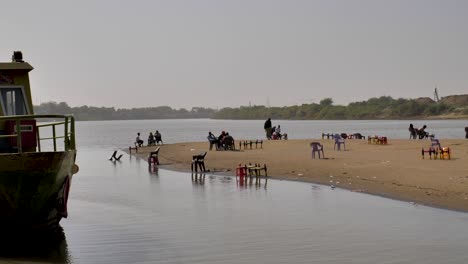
[[466, 131], [138, 140], [158, 137], [267, 128]]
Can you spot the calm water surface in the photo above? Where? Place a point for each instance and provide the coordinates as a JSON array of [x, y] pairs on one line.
[[123, 213]]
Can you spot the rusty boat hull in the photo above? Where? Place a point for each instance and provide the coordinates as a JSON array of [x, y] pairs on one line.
[[34, 189]]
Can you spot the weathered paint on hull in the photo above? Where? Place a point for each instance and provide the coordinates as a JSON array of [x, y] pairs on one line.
[[34, 189]]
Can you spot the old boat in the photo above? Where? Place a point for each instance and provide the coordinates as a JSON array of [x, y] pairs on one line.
[[37, 156]]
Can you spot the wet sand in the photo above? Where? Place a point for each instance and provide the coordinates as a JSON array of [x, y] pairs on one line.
[[395, 170]]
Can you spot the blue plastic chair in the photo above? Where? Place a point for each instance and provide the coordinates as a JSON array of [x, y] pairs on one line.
[[338, 142], [435, 143]]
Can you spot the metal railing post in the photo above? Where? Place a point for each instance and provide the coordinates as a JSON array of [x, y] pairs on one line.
[[38, 139], [53, 135], [66, 141], [73, 143]]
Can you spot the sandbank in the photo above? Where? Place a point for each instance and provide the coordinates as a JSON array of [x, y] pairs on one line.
[[395, 170]]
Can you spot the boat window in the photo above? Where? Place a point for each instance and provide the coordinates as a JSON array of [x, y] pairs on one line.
[[12, 99]]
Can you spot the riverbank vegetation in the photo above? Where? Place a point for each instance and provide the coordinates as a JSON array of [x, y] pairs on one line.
[[385, 107], [111, 113]]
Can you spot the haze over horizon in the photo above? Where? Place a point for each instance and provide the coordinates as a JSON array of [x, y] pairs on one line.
[[186, 54]]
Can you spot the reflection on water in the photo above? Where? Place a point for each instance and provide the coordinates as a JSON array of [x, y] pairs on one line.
[[249, 181], [153, 170], [49, 248], [127, 212], [198, 179]]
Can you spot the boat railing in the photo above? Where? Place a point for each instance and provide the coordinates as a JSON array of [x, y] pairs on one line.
[[68, 124]]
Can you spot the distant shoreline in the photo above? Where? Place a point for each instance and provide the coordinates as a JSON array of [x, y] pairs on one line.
[[408, 119], [395, 170], [381, 108]]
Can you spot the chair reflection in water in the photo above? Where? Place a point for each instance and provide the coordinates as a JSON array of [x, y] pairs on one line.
[[317, 148], [246, 173], [198, 178]]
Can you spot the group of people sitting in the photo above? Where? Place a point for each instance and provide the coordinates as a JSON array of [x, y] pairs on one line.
[[343, 136], [223, 142], [276, 133], [153, 139], [418, 132]]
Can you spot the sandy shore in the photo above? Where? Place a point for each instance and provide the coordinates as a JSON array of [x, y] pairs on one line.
[[395, 170]]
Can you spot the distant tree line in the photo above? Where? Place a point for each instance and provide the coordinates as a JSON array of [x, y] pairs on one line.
[[110, 113], [384, 107]]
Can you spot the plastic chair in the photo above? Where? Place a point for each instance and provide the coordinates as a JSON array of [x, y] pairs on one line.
[[317, 147], [199, 161], [435, 143], [338, 142], [153, 157]]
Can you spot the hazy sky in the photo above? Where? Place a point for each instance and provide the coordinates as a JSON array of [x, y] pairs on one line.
[[229, 53]]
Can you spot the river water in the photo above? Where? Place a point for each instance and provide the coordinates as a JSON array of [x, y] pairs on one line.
[[123, 213]]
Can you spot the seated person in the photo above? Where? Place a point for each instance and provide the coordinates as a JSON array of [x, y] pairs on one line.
[[221, 137], [151, 139], [158, 137], [412, 131], [213, 140], [358, 136], [278, 132], [274, 133], [274, 136], [138, 140], [422, 133], [228, 142]]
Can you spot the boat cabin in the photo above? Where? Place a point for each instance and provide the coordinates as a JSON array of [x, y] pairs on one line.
[[16, 100]]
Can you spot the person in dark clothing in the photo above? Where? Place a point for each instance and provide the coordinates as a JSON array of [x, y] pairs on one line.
[[158, 137], [151, 140], [466, 131], [220, 139], [422, 132], [267, 127], [412, 131], [228, 142], [358, 136]]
